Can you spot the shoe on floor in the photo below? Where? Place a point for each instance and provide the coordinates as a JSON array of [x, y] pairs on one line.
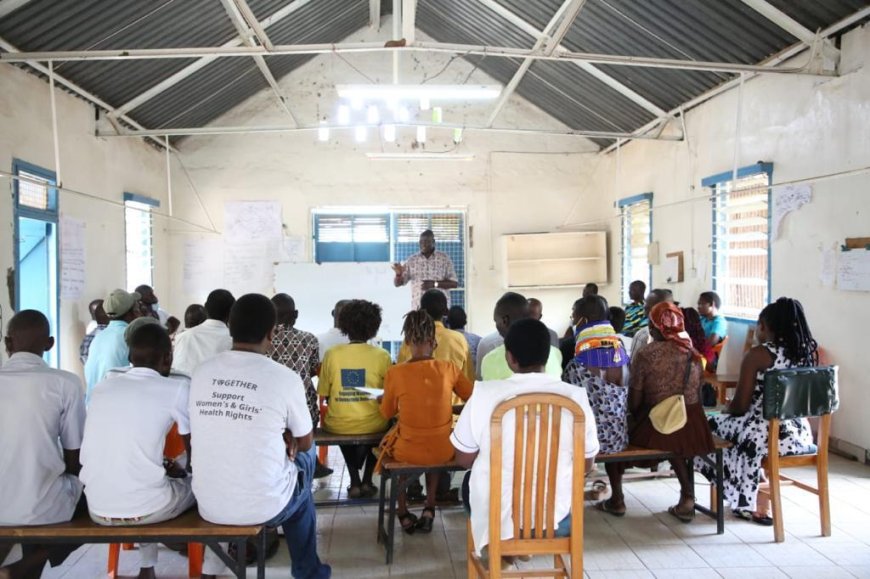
[[321, 471]]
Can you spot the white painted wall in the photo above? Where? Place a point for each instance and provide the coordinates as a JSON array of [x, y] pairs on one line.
[[94, 166], [807, 127], [513, 184]]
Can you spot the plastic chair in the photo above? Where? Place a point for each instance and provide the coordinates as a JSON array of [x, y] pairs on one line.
[[172, 448], [535, 465], [799, 393]]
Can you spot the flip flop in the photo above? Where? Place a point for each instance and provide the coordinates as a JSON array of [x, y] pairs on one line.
[[598, 490], [606, 507], [408, 522], [686, 518], [763, 520]]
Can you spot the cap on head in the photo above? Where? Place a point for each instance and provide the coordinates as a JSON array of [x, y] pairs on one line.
[[119, 302]]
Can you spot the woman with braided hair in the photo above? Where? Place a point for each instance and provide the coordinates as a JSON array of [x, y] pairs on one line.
[[786, 342], [420, 391]]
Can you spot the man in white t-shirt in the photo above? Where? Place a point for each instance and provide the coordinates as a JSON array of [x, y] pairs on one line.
[[528, 347], [127, 482], [252, 440], [208, 339], [333, 336], [40, 406]]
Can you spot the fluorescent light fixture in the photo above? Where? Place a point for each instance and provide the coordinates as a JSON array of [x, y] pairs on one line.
[[420, 156], [356, 103], [433, 92], [437, 115], [343, 115], [390, 133], [372, 115], [421, 134], [360, 134], [457, 135], [402, 115], [425, 103], [323, 134]]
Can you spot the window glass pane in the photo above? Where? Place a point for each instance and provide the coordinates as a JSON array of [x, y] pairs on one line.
[[32, 194], [138, 222], [636, 237]]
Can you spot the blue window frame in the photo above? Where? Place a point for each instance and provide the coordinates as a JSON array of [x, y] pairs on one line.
[[741, 239], [139, 239], [351, 237], [37, 263], [636, 218]]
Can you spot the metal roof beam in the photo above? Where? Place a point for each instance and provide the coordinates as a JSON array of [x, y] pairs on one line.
[[203, 61], [619, 87], [375, 14], [409, 21], [782, 20], [568, 9], [571, 10], [9, 6], [254, 24], [247, 34]]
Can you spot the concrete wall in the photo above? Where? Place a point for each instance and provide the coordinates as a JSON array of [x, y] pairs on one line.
[[105, 169]]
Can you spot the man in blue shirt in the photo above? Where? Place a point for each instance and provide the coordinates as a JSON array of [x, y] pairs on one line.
[[715, 326], [108, 349]]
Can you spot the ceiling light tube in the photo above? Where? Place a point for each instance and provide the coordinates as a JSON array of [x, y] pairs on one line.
[[434, 92]]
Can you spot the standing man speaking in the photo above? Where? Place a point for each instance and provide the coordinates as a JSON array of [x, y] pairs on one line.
[[426, 270]]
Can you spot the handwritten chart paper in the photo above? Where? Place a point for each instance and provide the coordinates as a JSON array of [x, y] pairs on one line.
[[853, 270], [248, 267], [785, 200], [252, 220], [203, 266], [72, 258]]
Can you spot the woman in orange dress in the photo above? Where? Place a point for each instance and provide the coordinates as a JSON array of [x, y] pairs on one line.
[[421, 391]]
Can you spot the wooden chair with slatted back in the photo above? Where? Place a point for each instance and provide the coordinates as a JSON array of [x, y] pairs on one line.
[[799, 393], [536, 435]]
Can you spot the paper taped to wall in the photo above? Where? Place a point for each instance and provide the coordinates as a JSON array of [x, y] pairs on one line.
[[252, 220], [853, 270], [203, 266], [787, 199], [72, 258]]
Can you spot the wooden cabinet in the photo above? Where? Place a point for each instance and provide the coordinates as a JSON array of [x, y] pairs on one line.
[[546, 260]]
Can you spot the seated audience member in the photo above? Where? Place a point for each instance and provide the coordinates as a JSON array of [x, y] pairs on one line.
[[786, 342], [108, 349], [635, 313], [129, 417], [715, 326], [42, 416], [617, 320], [252, 440], [457, 320], [450, 345], [298, 350], [642, 336], [421, 392], [600, 366], [696, 333], [590, 289], [98, 323], [150, 304], [510, 308], [209, 338], [528, 348], [194, 315], [172, 325], [346, 367], [334, 335], [668, 367], [536, 312], [487, 344]]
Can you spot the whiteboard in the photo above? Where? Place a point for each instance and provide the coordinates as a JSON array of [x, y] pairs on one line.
[[317, 287], [853, 270]]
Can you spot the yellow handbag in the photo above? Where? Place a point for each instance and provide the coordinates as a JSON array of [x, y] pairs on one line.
[[669, 415]]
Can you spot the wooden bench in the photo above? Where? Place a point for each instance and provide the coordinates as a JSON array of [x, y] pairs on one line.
[[639, 454], [325, 438], [393, 471], [189, 527]]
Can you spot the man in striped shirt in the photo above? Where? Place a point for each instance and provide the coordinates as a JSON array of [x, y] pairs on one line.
[[635, 316]]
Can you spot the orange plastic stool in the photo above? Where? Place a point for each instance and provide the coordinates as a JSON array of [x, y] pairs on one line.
[[195, 553], [322, 451]]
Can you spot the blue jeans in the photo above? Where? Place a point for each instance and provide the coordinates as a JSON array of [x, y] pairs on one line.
[[299, 521]]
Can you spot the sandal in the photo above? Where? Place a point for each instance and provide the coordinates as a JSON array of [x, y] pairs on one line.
[[424, 524], [684, 517], [607, 507], [598, 490], [408, 521], [763, 520]]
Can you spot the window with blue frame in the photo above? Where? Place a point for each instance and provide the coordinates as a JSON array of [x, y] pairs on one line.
[[636, 217], [139, 240], [349, 237], [741, 239]]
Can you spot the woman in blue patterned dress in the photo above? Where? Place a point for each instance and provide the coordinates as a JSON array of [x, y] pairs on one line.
[[786, 342]]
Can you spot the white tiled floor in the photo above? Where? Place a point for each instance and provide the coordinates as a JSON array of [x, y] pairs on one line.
[[646, 543]]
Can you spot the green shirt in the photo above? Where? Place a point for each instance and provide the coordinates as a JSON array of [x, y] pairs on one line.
[[495, 366]]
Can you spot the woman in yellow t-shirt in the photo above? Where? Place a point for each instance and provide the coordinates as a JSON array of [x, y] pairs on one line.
[[345, 368], [421, 392]]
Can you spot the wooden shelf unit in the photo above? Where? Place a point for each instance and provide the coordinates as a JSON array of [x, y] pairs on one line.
[[555, 260]]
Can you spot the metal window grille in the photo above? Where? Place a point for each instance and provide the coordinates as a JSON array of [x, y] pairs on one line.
[[741, 245], [139, 243], [34, 192], [636, 237]]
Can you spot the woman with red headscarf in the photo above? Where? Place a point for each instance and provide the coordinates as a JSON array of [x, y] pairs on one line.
[[667, 367]]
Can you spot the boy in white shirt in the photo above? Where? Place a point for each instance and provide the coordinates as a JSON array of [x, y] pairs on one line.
[[208, 339], [253, 440], [129, 416], [527, 345], [41, 406]]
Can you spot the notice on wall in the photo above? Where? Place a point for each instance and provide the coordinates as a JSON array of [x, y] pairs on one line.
[[203, 266], [248, 266], [72, 258], [853, 270], [246, 221], [787, 199]]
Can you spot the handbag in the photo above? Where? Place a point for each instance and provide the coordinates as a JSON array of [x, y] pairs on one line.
[[669, 415]]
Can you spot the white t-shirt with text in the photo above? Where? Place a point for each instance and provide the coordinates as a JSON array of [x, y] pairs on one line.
[[472, 434], [240, 405], [129, 416]]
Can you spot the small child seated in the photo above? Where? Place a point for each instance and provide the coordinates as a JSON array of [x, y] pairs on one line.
[[347, 367], [421, 392], [715, 326]]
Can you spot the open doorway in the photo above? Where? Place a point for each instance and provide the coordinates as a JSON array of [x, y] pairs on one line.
[[36, 246]]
